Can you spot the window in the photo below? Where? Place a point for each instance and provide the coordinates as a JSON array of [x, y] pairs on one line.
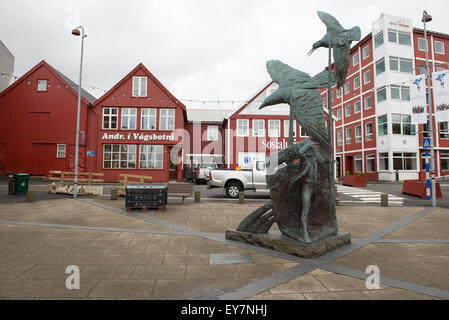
[[242, 127], [338, 92], [381, 94], [422, 69], [274, 128], [404, 161], [383, 161], [119, 156], [370, 163], [392, 36], [259, 128], [139, 86], [402, 124], [339, 138], [358, 134], [356, 83], [400, 92], [287, 128], [339, 113], [347, 110], [148, 119], [426, 133], [212, 133], [303, 132], [444, 161], [380, 66], [151, 156], [379, 39], [394, 63], [439, 47], [368, 131], [358, 163], [41, 85], [348, 135], [166, 119], [365, 52], [367, 77], [357, 106], [444, 133], [347, 87], [422, 44], [129, 118], [323, 100], [405, 93], [382, 125], [110, 118], [399, 37], [367, 102], [60, 153], [406, 65], [355, 59]]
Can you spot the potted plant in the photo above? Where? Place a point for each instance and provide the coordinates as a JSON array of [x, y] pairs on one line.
[[358, 180]]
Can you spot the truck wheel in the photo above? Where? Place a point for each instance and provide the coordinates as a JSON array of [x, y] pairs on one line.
[[233, 189]]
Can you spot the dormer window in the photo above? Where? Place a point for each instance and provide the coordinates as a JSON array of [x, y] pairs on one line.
[[139, 86], [41, 85]]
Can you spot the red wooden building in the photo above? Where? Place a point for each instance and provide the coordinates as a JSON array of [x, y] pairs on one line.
[[38, 122]]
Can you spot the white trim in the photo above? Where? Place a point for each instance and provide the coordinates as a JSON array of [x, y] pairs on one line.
[[237, 128]]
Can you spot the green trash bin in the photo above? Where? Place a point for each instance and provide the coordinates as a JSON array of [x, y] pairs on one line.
[[21, 183]]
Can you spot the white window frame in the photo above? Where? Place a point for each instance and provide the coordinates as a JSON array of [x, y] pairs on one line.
[[364, 76], [148, 118], [360, 106], [302, 132], [401, 155], [339, 137], [131, 117], [153, 154], [212, 133], [378, 62], [348, 138], [61, 151], [444, 156], [383, 88], [287, 128], [262, 129], [370, 97], [382, 156], [139, 88], [110, 116], [42, 85], [347, 87], [358, 136], [358, 161], [370, 157], [338, 93], [369, 135], [130, 156], [239, 133], [381, 33], [355, 59], [339, 113], [271, 132], [164, 119], [423, 41], [354, 83], [364, 51], [348, 107], [435, 47]]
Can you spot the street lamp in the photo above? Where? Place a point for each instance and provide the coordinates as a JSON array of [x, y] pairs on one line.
[[427, 18], [76, 32]]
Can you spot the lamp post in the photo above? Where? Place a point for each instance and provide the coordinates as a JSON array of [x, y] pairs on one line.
[[76, 32], [427, 18]]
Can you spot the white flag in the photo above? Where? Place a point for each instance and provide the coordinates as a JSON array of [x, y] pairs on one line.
[[418, 99], [440, 82]]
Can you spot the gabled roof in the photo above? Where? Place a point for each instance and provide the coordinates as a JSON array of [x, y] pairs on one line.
[[71, 86], [152, 77]]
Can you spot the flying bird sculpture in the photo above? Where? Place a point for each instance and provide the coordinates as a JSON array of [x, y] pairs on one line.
[[339, 39]]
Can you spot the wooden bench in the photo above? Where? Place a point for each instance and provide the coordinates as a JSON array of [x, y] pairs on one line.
[[181, 189], [62, 176]]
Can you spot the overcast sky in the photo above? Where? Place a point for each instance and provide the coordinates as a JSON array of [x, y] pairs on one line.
[[199, 49]]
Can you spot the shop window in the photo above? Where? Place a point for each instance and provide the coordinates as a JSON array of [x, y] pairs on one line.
[[357, 106], [148, 119], [402, 124], [444, 157], [60, 153], [439, 47], [380, 66], [110, 118], [370, 163], [274, 128], [358, 134], [369, 131], [167, 119], [41, 85], [287, 128], [212, 133], [382, 125], [129, 118], [367, 77], [404, 161], [365, 52], [139, 86], [358, 163], [119, 156], [379, 39], [348, 136], [242, 127], [258, 128], [339, 138], [151, 156], [368, 102], [383, 161]]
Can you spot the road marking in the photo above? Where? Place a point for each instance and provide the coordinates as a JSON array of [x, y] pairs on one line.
[[367, 196]]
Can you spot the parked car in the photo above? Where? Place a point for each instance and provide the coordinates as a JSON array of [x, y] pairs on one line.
[[235, 181], [202, 172]]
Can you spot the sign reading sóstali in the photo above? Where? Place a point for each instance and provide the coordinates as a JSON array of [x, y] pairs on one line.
[[138, 136], [275, 144]]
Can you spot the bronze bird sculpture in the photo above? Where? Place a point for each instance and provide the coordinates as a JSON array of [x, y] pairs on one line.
[[340, 40]]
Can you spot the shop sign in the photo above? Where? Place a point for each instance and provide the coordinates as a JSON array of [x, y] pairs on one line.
[[138, 136], [278, 145]]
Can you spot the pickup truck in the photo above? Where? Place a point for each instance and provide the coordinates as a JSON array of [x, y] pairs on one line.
[[202, 173], [235, 181]]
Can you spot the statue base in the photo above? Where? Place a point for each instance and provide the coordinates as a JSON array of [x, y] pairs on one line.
[[275, 240]]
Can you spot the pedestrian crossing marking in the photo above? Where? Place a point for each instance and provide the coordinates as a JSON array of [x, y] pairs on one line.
[[367, 196]]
